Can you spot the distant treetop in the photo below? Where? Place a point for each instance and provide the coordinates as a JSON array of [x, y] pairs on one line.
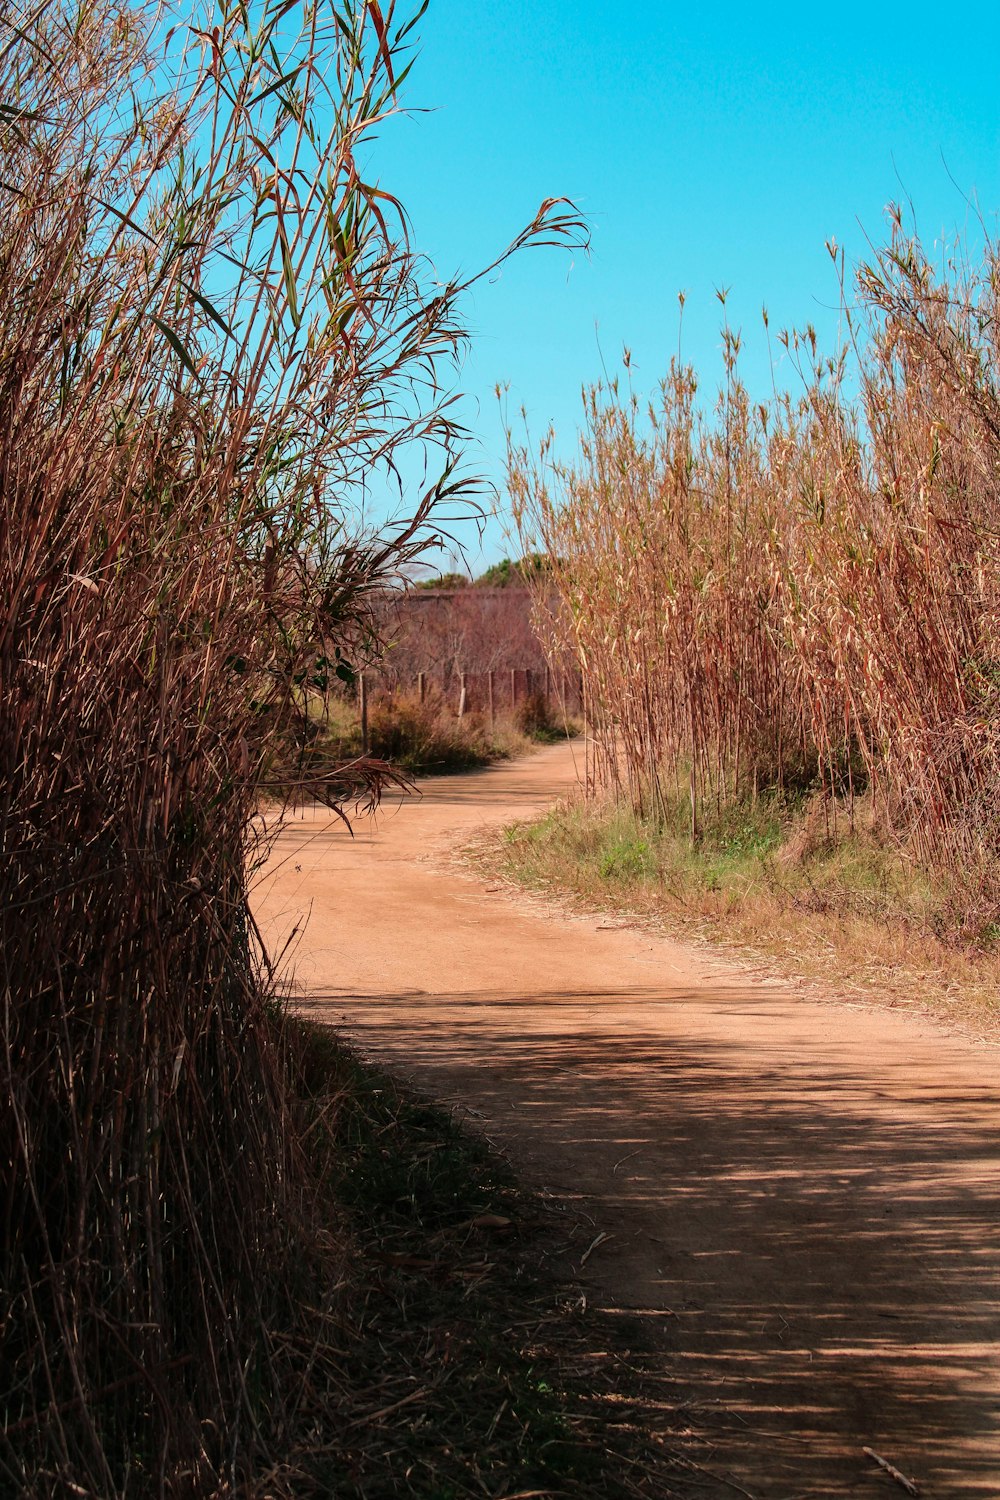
[[506, 573], [446, 581]]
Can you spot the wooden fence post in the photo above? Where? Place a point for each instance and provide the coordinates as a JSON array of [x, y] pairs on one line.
[[363, 709], [461, 695], [422, 685], [513, 687]]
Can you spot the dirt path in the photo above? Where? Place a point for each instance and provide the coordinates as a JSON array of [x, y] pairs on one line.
[[803, 1198]]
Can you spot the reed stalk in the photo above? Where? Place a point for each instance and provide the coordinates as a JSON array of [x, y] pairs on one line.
[[214, 330], [800, 592]]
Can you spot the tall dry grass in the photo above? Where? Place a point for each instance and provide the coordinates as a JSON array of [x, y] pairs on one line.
[[804, 590], [212, 329]]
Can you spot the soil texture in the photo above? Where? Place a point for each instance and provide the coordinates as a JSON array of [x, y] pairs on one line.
[[798, 1196]]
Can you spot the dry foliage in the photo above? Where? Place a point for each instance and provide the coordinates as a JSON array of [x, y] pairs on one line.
[[444, 632], [803, 591], [212, 329]]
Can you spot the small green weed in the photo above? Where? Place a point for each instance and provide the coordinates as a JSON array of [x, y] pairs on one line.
[[626, 859], [989, 937]]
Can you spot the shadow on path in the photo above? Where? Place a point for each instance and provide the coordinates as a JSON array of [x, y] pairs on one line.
[[813, 1239]]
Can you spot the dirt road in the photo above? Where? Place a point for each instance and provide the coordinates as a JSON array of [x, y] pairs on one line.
[[803, 1198]]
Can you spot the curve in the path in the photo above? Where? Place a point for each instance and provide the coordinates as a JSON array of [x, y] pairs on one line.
[[802, 1197]]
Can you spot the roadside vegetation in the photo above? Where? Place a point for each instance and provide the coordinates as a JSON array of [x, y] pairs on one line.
[[214, 330], [459, 679], [771, 882], [421, 738], [465, 1359], [787, 614]]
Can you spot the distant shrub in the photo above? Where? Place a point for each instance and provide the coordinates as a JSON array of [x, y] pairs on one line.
[[508, 574], [445, 581], [537, 717], [430, 737]]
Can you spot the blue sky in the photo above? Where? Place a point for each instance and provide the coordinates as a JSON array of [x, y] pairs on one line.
[[708, 146]]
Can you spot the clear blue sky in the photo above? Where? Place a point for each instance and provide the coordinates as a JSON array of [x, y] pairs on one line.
[[708, 146]]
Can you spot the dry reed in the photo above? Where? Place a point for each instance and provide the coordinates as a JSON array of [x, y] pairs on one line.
[[802, 591], [213, 328]]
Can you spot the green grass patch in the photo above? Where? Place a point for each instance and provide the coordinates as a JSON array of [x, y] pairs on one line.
[[789, 877], [784, 844]]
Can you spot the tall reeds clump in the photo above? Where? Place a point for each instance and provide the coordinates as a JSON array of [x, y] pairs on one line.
[[662, 580], [895, 570], [212, 328], [802, 591]]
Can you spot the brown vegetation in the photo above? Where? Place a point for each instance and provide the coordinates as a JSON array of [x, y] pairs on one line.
[[802, 592], [211, 327], [445, 632], [460, 680]]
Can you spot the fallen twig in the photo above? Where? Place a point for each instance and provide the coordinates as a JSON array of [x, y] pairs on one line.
[[909, 1485], [385, 1411], [601, 1238]]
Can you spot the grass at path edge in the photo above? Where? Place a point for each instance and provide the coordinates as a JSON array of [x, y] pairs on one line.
[[767, 882], [470, 1364]]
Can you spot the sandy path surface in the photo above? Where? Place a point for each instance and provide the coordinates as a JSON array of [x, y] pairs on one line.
[[803, 1198]]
